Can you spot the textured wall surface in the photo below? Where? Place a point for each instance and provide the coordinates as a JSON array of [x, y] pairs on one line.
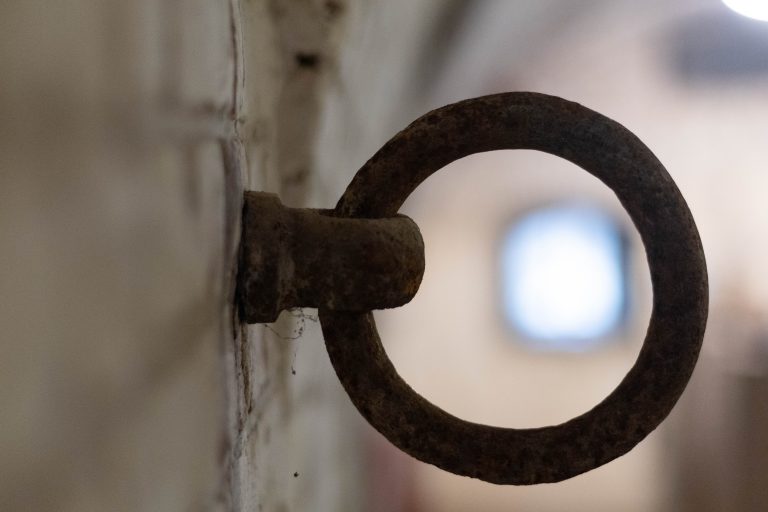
[[128, 132]]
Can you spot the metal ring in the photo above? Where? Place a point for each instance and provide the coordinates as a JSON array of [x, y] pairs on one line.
[[678, 274]]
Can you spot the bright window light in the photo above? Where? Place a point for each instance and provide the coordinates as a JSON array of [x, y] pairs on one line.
[[757, 9], [563, 277]]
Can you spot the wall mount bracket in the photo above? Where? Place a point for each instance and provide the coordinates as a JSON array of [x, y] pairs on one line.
[[297, 257]]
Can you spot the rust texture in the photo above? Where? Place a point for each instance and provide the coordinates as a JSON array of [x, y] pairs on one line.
[[678, 273], [293, 257]]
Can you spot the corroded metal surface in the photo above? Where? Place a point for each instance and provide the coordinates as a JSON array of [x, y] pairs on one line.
[[293, 257], [678, 273]]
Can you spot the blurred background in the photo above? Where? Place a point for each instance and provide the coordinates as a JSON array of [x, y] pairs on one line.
[[128, 132], [536, 295]]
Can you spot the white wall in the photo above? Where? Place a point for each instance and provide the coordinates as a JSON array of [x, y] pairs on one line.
[[128, 132]]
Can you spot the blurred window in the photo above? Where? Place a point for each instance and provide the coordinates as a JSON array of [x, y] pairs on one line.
[[563, 276]]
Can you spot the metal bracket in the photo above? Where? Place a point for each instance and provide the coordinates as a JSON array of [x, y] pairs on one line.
[[295, 257]]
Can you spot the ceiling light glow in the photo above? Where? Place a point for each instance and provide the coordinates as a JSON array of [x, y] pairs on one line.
[[756, 9]]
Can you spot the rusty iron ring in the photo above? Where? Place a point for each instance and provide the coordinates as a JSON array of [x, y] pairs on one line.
[[678, 273]]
